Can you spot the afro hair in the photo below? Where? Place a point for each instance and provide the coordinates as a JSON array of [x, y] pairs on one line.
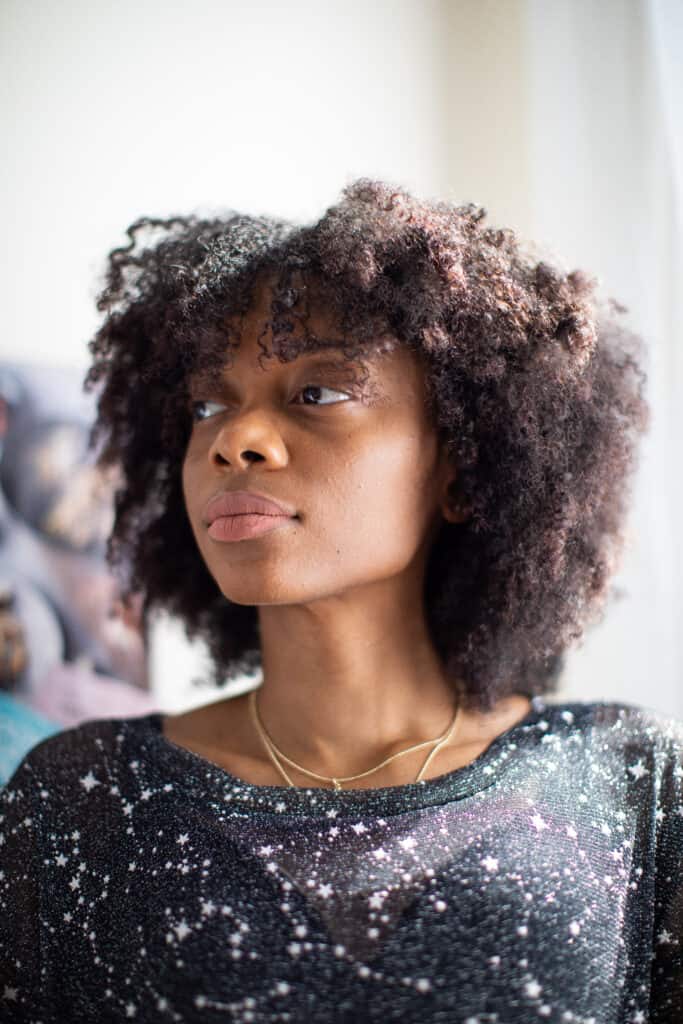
[[534, 384]]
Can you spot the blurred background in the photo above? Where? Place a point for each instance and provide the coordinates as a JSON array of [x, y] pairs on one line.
[[561, 117]]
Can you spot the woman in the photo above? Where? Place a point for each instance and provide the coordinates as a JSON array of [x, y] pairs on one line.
[[384, 458]]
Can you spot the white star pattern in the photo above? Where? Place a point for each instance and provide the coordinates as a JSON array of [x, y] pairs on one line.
[[89, 782], [638, 770], [409, 843], [182, 930]]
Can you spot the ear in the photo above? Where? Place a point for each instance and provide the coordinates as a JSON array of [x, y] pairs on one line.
[[454, 510], [453, 507]]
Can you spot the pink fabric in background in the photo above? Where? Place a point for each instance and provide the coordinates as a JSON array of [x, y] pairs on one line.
[[70, 694]]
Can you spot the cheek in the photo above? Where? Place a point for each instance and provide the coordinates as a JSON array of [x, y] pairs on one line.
[[378, 505], [191, 487], [190, 479]]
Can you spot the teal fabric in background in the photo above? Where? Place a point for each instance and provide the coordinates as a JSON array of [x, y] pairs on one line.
[[20, 729]]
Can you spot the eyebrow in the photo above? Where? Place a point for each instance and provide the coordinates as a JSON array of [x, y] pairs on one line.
[[319, 360], [330, 362]]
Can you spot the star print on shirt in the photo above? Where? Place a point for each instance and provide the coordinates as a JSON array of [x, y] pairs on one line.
[[638, 770], [408, 843], [464, 847], [89, 782]]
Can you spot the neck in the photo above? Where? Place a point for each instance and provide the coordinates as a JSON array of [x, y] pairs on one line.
[[351, 680]]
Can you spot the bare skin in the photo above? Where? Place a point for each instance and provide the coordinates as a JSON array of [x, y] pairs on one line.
[[350, 674]]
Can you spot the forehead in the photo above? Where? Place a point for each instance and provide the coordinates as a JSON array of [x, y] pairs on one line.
[[312, 313], [308, 330]]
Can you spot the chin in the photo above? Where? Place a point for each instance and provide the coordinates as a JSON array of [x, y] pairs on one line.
[[254, 589]]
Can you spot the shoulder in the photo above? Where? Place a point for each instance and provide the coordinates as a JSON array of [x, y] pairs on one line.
[[636, 739], [63, 759], [632, 720]]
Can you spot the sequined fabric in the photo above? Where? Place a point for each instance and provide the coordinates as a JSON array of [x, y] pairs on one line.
[[541, 882]]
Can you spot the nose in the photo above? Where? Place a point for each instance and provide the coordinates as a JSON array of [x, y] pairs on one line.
[[251, 437]]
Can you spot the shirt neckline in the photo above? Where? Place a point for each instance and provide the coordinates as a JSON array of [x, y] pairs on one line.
[[202, 776]]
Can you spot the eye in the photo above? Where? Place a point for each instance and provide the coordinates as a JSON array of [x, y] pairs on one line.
[[197, 408], [202, 410], [315, 389]]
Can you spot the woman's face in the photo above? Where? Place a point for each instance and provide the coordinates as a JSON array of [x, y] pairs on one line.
[[359, 466]]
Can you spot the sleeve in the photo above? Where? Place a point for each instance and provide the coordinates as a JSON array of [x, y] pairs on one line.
[[20, 960], [666, 983]]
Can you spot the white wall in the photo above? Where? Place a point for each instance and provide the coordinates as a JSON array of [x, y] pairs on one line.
[[119, 110], [604, 197]]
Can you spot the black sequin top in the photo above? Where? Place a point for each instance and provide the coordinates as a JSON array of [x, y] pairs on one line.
[[541, 882]]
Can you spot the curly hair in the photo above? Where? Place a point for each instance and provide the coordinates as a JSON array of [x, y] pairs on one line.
[[533, 382]]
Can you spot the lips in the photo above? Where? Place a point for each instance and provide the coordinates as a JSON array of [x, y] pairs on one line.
[[243, 503]]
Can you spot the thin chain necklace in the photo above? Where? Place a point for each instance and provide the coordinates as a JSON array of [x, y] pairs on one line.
[[276, 754]]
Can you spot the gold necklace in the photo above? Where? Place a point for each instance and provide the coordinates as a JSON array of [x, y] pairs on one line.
[[274, 752]]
